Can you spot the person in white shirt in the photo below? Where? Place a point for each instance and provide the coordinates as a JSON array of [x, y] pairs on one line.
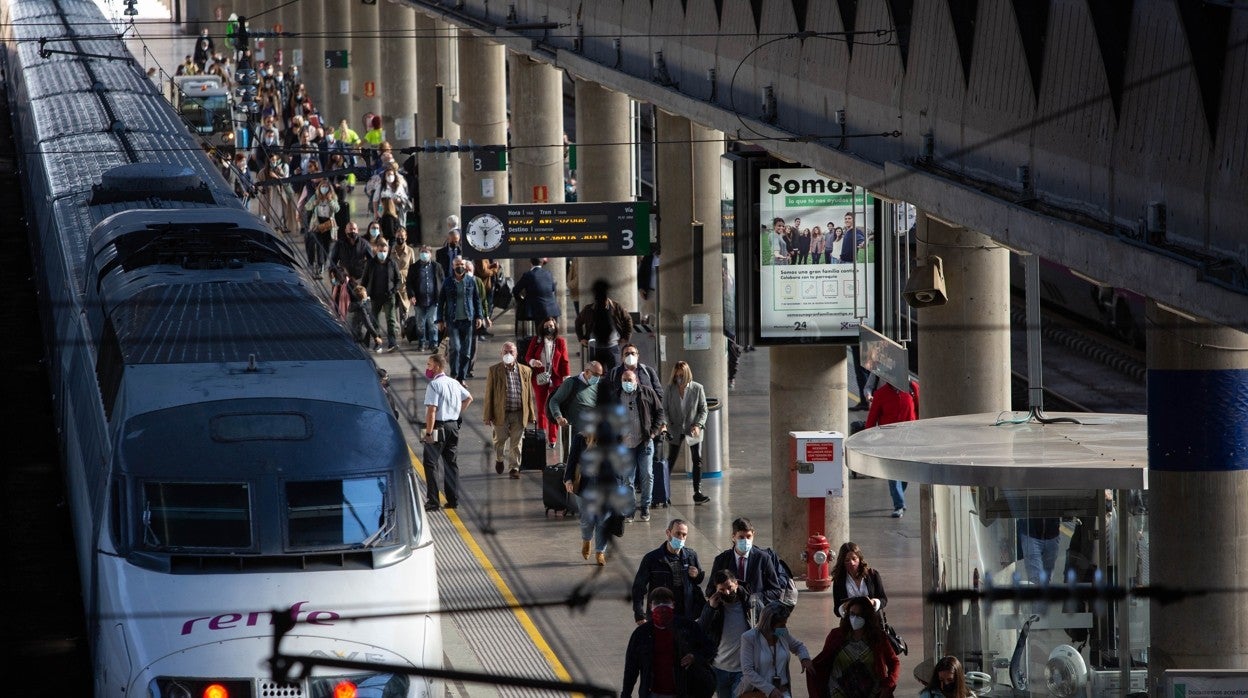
[[445, 402], [765, 653]]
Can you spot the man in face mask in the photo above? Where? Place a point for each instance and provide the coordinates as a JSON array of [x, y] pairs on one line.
[[381, 278], [576, 396], [351, 253], [460, 311], [672, 566], [645, 420], [646, 375], [668, 655], [754, 567], [424, 280], [451, 249], [509, 407]]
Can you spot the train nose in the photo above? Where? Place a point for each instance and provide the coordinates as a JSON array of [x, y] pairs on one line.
[[241, 668]]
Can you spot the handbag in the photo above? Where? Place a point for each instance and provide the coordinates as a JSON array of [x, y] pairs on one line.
[[894, 639], [543, 378]]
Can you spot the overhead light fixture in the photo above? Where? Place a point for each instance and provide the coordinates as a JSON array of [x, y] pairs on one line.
[[926, 286]]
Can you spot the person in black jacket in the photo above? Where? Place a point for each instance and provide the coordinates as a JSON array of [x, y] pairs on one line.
[[536, 290], [674, 567], [667, 654], [351, 253], [424, 283], [728, 613], [381, 276], [853, 577]]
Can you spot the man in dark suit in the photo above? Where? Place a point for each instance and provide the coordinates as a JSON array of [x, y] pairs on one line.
[[447, 253], [536, 289], [755, 568]]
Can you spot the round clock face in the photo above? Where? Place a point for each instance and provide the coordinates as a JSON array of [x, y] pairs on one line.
[[485, 232]]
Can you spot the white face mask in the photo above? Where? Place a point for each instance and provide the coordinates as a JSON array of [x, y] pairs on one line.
[[324, 190], [630, 360], [509, 359], [389, 178], [857, 622]]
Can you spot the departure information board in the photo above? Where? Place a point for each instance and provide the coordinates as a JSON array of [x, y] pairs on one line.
[[506, 231]]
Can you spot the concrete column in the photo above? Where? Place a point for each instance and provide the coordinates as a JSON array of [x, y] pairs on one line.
[[436, 54], [397, 86], [964, 350], [335, 105], [312, 22], [199, 15], [1197, 486], [482, 115], [809, 392], [604, 174], [689, 193], [366, 61], [537, 147]]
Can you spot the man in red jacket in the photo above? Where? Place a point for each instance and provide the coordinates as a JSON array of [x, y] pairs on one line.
[[889, 406]]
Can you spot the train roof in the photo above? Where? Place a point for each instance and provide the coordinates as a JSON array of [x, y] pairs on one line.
[[227, 320]]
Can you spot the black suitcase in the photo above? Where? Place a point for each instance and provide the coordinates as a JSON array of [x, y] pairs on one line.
[[533, 450], [555, 495], [661, 493]]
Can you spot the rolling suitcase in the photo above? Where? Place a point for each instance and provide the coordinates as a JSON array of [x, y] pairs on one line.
[[533, 450], [661, 493], [555, 496]]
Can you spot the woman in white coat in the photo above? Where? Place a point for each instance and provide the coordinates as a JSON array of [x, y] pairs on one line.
[[685, 404], [765, 653]]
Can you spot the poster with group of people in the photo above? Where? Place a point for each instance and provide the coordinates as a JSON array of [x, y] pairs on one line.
[[817, 271]]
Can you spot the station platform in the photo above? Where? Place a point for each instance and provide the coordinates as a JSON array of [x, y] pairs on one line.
[[499, 552], [499, 547]]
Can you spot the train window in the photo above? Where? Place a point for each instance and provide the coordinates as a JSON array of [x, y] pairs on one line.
[[336, 513], [267, 426], [180, 515]]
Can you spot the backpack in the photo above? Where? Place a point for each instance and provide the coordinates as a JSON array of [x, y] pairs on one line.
[[788, 587], [502, 293]]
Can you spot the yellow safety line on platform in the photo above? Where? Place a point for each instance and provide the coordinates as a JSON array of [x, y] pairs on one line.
[[530, 628]]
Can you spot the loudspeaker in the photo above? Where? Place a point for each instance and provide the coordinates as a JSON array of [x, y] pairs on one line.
[[926, 285]]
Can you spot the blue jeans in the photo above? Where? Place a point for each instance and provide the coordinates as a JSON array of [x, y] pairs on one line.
[[426, 322], [461, 347], [897, 490], [643, 472], [726, 683], [594, 526], [1039, 557]]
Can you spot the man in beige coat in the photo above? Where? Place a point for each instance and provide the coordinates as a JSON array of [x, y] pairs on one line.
[[509, 407]]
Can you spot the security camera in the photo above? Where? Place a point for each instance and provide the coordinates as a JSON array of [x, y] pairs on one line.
[[926, 286]]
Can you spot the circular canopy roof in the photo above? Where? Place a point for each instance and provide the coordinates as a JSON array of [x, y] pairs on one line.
[[1103, 451]]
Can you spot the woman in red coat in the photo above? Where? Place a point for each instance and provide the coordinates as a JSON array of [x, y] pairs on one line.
[[857, 659], [548, 357]]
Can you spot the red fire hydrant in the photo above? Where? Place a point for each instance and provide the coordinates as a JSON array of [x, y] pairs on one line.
[[817, 555]]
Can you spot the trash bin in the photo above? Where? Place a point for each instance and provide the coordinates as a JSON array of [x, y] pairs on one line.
[[711, 452]]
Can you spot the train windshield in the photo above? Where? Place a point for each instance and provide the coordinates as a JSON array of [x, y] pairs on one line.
[[180, 515], [357, 512]]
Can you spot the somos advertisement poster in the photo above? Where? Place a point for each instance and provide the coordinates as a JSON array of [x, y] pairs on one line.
[[817, 268]]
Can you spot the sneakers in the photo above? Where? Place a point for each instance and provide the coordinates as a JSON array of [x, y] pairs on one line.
[[699, 498], [585, 550], [645, 514], [432, 506], [898, 513], [391, 348], [515, 473]]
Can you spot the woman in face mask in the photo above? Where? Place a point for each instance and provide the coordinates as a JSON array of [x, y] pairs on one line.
[[390, 202], [857, 658], [322, 205], [547, 355], [765, 653], [948, 680]]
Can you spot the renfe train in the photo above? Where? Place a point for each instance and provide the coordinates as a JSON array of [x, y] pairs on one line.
[[230, 452]]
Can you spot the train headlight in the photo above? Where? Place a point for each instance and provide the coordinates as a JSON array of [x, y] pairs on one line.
[[216, 690], [177, 687], [358, 686]]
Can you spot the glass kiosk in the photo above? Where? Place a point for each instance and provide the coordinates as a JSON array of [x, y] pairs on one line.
[[1018, 502]]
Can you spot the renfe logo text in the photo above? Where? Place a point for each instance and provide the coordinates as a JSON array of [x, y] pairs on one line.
[[227, 621]]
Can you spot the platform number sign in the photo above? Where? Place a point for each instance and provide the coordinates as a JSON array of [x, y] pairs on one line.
[[489, 160], [336, 59]]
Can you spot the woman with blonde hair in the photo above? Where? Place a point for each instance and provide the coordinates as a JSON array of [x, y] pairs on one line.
[[685, 404]]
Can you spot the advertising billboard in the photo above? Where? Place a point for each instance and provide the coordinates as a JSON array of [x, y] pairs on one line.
[[816, 247]]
